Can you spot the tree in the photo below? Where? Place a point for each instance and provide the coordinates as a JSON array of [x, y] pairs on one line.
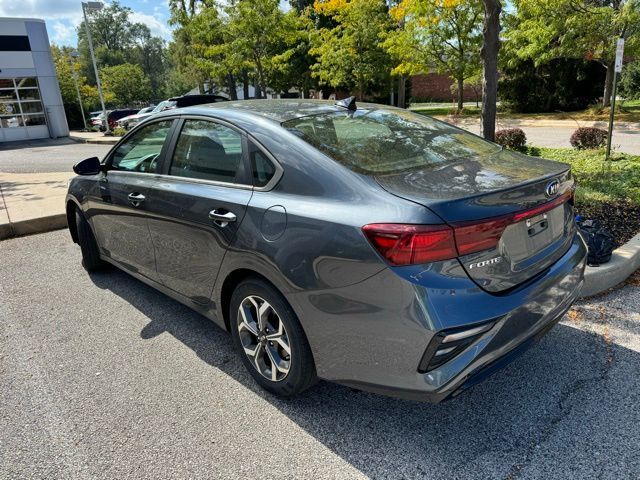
[[630, 81], [127, 83], [350, 53], [89, 94], [541, 30], [437, 34], [117, 40], [256, 34], [489, 54]]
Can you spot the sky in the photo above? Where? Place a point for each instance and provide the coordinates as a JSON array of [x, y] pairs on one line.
[[63, 16]]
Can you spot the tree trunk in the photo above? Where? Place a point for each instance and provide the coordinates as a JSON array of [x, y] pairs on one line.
[[256, 88], [608, 85], [489, 54], [245, 85], [231, 85], [402, 85], [460, 94]]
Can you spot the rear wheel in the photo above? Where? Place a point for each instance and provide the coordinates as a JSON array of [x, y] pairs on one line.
[[91, 260], [270, 340]]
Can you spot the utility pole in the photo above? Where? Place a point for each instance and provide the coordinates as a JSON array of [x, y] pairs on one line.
[[95, 6]]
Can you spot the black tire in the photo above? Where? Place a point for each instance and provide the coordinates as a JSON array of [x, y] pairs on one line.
[[302, 372], [91, 260]]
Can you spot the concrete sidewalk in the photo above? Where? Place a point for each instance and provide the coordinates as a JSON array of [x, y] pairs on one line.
[[98, 138], [32, 202]]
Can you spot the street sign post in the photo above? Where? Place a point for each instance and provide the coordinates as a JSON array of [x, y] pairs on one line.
[[617, 69]]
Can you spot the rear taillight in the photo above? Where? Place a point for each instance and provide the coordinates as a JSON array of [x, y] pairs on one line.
[[408, 244]]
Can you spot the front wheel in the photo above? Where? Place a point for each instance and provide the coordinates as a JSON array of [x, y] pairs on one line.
[[91, 260], [270, 340]]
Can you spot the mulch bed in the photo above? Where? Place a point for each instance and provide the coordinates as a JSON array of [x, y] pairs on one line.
[[620, 217]]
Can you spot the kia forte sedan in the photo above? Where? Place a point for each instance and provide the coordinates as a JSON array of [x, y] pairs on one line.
[[361, 244]]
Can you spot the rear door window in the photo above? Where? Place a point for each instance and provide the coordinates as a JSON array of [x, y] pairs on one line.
[[263, 169], [207, 151]]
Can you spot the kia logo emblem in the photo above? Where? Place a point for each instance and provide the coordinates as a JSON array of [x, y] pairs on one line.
[[552, 188]]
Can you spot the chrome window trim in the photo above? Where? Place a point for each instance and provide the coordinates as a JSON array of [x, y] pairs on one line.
[[160, 176]]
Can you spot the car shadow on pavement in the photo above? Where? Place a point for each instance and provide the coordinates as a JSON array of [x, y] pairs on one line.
[[559, 392]]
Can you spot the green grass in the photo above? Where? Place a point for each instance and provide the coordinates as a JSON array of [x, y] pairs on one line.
[[627, 111], [441, 111], [616, 181]]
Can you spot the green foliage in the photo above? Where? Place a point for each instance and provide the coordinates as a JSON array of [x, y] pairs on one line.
[[564, 84], [127, 83], [119, 131], [349, 53], [118, 40], [438, 35], [630, 81], [597, 183], [542, 30]]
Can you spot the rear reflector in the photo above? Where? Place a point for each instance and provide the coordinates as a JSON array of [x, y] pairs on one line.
[[408, 244]]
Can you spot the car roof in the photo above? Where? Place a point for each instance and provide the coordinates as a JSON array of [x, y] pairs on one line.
[[279, 110]]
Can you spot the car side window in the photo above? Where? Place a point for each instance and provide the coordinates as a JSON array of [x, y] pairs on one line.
[[207, 151], [140, 152], [262, 168]]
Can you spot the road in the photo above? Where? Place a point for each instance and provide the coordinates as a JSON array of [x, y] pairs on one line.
[[103, 377], [40, 156]]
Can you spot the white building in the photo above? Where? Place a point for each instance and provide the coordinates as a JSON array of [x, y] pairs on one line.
[[30, 101]]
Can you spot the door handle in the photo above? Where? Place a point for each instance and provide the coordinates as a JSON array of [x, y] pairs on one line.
[[136, 198], [222, 218]]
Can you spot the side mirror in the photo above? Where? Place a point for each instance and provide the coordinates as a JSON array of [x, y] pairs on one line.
[[89, 166]]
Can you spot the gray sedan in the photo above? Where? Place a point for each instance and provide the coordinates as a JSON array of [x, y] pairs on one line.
[[361, 244]]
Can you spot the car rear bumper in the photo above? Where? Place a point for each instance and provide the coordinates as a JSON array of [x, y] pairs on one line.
[[380, 328]]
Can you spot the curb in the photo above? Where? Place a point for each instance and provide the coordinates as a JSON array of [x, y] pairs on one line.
[[624, 261], [33, 225], [96, 141]]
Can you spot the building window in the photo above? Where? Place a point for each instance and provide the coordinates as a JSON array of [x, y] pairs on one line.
[[20, 104], [14, 43]]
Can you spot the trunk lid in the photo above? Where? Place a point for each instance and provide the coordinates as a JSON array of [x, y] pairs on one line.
[[527, 201]]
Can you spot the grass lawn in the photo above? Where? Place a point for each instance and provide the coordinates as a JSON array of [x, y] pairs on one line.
[[611, 196], [628, 111]]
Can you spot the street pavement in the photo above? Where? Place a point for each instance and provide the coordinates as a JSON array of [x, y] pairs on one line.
[[556, 134], [103, 377], [40, 156]]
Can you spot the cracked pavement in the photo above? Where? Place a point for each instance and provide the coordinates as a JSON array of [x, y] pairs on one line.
[[103, 377]]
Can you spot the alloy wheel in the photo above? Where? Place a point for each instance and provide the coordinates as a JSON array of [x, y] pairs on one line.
[[264, 338]]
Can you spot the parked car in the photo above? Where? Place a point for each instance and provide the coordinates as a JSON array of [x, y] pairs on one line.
[[191, 100], [97, 120], [114, 115], [365, 245], [132, 120]]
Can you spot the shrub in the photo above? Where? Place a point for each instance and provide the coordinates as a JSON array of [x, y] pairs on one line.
[[563, 84], [513, 138], [119, 131], [588, 138]]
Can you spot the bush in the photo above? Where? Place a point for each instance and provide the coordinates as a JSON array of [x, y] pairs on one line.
[[563, 84], [588, 138], [119, 131], [513, 138], [630, 81]]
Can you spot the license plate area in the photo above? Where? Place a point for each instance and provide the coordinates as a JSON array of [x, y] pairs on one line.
[[536, 225]]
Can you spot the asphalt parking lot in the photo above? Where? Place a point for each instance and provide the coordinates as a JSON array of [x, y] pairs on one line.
[[103, 377]]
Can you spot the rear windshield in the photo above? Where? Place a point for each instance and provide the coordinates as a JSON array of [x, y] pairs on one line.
[[380, 142]]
